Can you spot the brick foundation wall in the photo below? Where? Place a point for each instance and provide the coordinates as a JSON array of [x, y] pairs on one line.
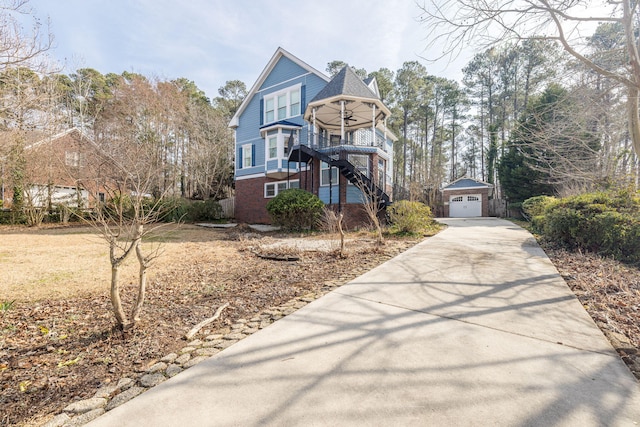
[[251, 205], [250, 201]]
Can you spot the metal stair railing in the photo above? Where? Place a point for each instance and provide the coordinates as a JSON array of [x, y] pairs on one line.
[[346, 168]]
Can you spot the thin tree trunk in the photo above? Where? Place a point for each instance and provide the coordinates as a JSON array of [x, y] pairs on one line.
[[634, 119], [116, 302], [142, 281], [142, 275]]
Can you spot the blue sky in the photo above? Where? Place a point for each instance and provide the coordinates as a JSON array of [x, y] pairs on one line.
[[213, 41]]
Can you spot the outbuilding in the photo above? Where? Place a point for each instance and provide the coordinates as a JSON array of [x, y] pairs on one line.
[[466, 198]]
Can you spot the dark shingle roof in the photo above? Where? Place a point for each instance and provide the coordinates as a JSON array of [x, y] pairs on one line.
[[346, 82], [466, 183], [281, 123]]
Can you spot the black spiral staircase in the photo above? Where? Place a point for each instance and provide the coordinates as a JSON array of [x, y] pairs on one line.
[[303, 154]]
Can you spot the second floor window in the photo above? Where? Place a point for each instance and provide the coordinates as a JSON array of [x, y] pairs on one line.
[[295, 102], [269, 110], [282, 105]]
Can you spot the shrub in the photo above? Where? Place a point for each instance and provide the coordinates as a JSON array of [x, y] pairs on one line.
[[175, 209], [535, 206], [205, 210], [410, 217], [606, 223], [295, 209]]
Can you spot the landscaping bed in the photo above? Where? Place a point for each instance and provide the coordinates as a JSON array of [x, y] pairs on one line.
[[58, 342]]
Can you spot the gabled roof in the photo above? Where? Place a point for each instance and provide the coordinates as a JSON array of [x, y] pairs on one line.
[[464, 183], [280, 52], [347, 83], [60, 135], [372, 83]]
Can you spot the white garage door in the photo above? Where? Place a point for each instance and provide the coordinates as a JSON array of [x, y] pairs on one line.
[[467, 206]]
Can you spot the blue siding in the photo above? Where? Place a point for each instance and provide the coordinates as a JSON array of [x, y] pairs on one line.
[[249, 122], [323, 194], [284, 74], [354, 195], [285, 69], [272, 164]]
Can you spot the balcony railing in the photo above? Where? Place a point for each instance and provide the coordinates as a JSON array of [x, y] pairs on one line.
[[361, 138]]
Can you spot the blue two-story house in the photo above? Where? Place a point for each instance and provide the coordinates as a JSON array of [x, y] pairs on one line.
[[299, 129]]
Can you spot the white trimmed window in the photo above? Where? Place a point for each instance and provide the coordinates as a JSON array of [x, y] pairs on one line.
[[247, 156], [269, 114], [282, 105], [272, 147], [294, 98], [271, 189], [328, 175], [361, 162], [277, 144], [72, 159]]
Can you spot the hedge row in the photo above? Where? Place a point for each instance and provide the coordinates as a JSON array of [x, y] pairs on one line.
[[605, 223]]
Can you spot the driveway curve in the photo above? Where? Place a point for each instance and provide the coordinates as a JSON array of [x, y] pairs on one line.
[[472, 327]]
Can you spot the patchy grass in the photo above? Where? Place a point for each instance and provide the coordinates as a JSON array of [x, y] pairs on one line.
[[58, 343]]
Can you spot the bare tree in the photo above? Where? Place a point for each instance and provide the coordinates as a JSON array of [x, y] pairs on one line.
[[454, 24], [17, 48], [372, 204], [332, 223], [132, 174]]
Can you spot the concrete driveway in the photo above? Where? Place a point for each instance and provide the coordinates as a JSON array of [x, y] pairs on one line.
[[472, 327]]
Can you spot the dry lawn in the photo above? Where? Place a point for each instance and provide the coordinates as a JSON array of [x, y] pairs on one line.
[[57, 339], [73, 262]]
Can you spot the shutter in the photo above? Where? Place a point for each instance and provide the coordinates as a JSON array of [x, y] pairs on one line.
[[261, 111], [239, 160], [303, 98], [253, 155]]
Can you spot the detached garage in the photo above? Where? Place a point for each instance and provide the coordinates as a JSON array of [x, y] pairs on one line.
[[466, 198]]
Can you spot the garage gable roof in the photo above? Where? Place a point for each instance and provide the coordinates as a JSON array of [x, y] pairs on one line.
[[467, 183]]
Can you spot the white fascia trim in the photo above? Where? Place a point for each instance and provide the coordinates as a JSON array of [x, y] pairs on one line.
[[285, 89], [252, 176], [465, 188], [248, 141], [280, 52]]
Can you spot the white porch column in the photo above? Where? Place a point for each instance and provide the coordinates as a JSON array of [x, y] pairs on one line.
[[342, 121], [373, 125], [315, 129], [385, 129]]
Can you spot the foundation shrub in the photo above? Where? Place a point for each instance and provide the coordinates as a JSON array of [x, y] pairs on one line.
[[295, 210]]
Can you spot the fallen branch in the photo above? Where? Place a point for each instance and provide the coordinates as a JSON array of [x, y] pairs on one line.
[[205, 322], [278, 257]]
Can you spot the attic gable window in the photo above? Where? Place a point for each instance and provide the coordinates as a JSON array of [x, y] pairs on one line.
[[282, 104], [72, 159]]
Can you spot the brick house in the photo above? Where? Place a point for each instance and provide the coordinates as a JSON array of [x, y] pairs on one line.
[[60, 169]]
